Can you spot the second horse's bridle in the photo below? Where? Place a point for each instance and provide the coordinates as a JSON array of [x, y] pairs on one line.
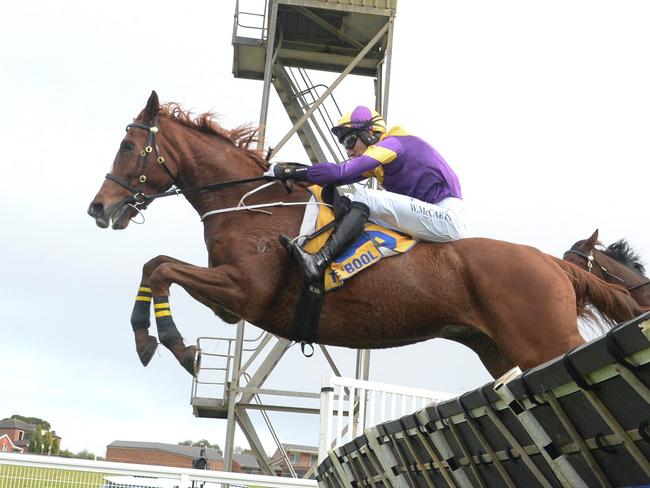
[[591, 261]]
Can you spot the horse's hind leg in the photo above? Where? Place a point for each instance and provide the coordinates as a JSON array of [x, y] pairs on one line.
[[488, 352]]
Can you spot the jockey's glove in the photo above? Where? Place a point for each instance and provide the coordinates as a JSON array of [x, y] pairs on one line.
[[287, 171]]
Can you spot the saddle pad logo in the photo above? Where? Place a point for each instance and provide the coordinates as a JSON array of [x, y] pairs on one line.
[[354, 260]]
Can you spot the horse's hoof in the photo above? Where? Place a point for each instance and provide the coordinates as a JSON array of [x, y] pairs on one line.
[[146, 350], [192, 360]]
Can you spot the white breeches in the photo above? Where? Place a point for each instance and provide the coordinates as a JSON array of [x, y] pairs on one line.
[[440, 222]]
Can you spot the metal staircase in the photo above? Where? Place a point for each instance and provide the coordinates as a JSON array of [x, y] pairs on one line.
[[341, 36]]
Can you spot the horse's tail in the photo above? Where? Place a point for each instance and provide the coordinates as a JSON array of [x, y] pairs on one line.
[[612, 302]]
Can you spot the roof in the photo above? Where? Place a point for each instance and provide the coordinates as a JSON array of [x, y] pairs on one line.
[[16, 424], [244, 460], [299, 448], [189, 451]]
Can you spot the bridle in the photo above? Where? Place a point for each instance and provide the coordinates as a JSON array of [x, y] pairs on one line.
[[139, 200], [591, 261]]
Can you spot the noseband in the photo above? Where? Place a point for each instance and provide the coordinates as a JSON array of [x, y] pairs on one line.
[[591, 260]]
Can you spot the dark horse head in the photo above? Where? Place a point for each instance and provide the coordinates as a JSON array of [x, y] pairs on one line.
[[617, 263], [140, 168]]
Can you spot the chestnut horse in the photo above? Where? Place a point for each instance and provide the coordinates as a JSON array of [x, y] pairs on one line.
[[617, 263], [511, 304]]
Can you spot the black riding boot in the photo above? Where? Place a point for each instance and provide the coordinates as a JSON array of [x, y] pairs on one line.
[[345, 233]]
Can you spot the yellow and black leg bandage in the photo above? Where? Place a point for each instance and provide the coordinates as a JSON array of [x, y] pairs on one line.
[[167, 331], [141, 309]]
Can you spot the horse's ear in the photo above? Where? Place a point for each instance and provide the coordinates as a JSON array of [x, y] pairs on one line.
[[593, 239], [151, 110]]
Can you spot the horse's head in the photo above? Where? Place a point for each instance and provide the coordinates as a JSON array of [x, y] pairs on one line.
[[140, 168], [617, 263], [582, 252]]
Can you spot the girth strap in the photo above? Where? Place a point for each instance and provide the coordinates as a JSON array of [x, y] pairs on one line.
[[307, 315]]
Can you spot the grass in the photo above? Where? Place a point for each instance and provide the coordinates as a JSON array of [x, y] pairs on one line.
[[29, 477]]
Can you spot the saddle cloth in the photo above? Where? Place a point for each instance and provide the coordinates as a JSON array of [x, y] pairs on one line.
[[375, 243]]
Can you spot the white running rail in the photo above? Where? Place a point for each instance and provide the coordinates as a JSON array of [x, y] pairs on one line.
[[370, 402], [31, 471]]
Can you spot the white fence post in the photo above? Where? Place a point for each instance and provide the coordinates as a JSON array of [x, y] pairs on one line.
[[368, 403], [326, 409]]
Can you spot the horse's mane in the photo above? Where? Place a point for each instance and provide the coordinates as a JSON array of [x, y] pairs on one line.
[[622, 252], [242, 137]]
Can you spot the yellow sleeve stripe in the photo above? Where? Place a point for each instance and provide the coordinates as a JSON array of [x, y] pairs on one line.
[[381, 154], [378, 173], [161, 305], [144, 289], [164, 313], [142, 299], [397, 131]]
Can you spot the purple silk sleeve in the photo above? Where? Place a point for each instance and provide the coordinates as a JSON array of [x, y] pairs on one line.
[[341, 174]]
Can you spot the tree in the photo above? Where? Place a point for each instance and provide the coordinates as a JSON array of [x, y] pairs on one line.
[[34, 421], [241, 450], [80, 455], [55, 444], [203, 443], [84, 454], [36, 442], [48, 440]]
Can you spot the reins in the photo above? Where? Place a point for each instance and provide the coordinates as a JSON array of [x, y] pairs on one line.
[[140, 201]]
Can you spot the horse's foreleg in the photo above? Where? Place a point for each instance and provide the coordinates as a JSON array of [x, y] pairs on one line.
[[146, 344], [207, 285]]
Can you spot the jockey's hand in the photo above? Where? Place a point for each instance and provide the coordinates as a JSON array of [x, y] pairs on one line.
[[287, 171]]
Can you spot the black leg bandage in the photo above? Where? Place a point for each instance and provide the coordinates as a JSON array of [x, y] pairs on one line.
[[141, 308], [167, 331]]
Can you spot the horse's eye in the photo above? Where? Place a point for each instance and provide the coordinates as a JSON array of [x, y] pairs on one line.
[[128, 146]]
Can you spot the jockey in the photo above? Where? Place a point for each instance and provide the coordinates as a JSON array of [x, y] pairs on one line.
[[421, 194]]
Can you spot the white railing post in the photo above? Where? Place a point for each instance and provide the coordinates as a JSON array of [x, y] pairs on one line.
[[326, 409], [374, 403]]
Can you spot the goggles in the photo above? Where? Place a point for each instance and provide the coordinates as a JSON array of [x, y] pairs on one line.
[[349, 140]]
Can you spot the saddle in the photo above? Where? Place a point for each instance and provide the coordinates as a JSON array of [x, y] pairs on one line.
[[325, 207]]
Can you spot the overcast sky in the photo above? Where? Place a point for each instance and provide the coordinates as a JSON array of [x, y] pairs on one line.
[[541, 108]]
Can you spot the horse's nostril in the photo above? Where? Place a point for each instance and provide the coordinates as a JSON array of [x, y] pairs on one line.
[[96, 210]]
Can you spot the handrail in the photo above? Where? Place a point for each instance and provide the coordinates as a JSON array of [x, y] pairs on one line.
[[76, 468], [237, 24], [228, 357]]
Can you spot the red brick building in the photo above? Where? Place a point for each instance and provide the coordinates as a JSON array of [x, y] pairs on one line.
[[174, 455], [6, 445], [304, 460], [18, 432]]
